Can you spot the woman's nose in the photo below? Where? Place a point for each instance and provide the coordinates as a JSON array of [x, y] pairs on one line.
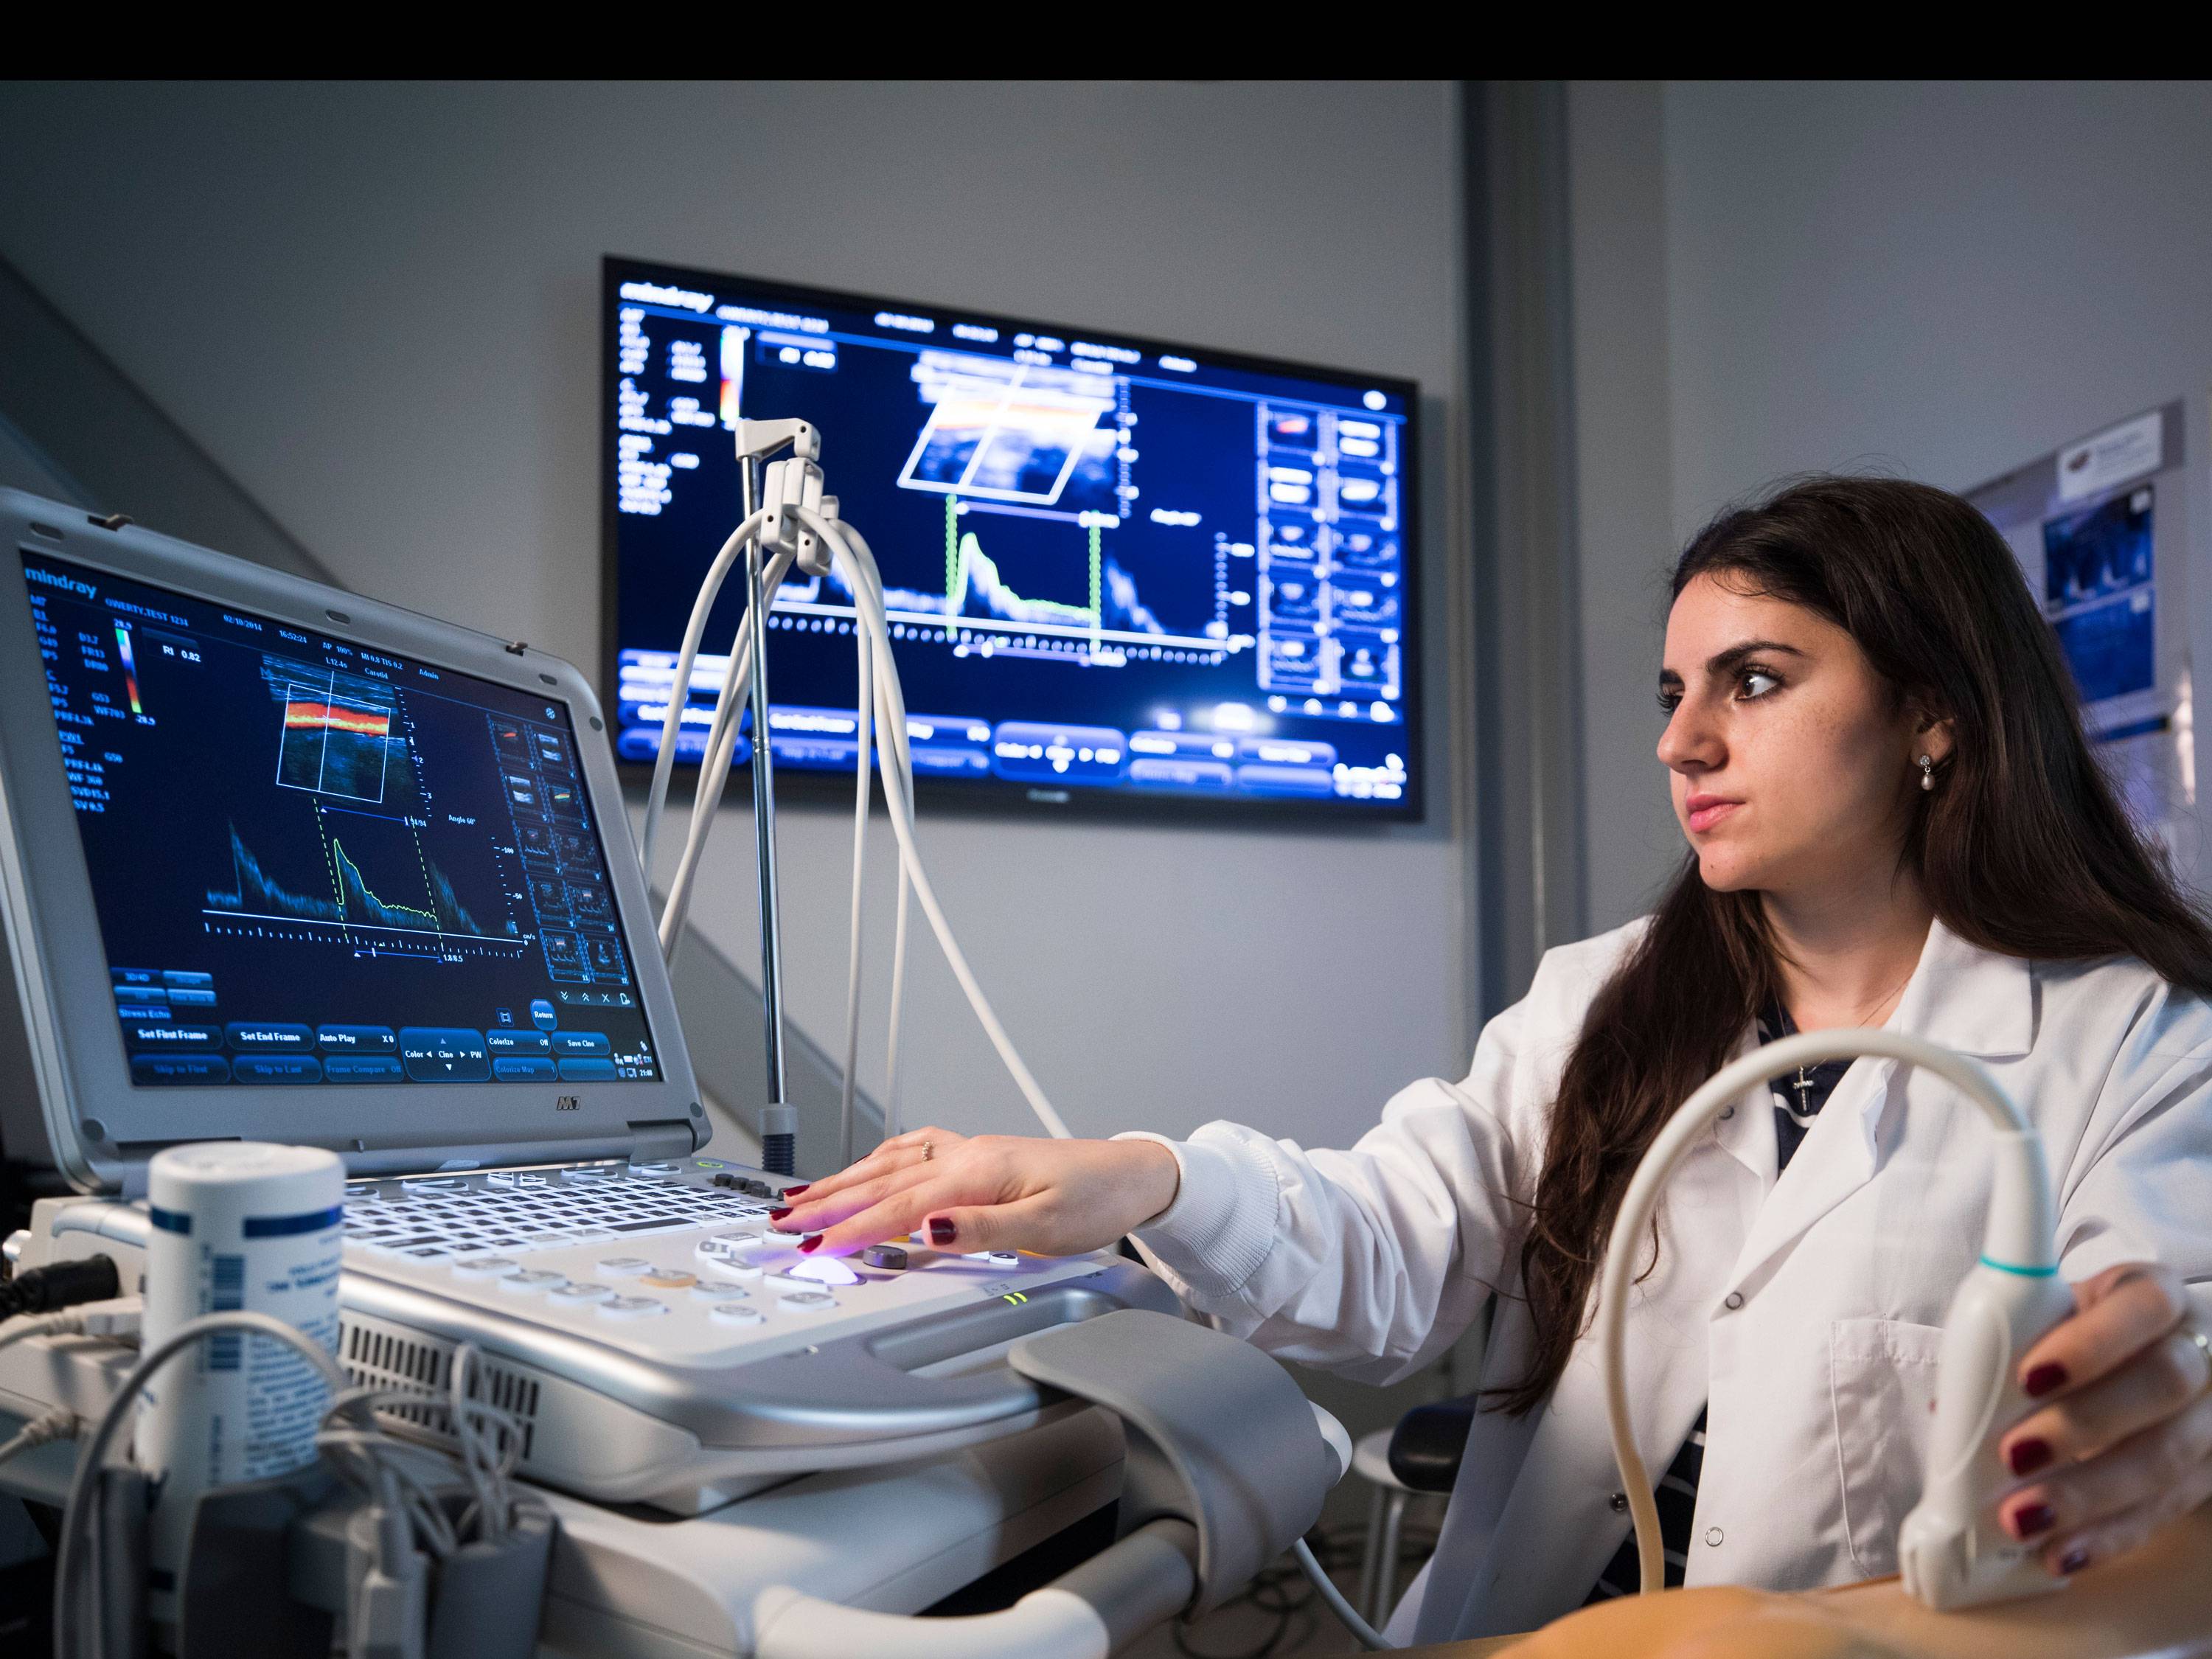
[[1688, 744]]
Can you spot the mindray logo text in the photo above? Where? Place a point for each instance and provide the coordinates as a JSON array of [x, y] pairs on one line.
[[68, 584]]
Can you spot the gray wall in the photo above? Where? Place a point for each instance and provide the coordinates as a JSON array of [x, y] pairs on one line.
[[376, 307], [1939, 280]]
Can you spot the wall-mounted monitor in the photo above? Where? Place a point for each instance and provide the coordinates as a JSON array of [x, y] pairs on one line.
[[1118, 571]]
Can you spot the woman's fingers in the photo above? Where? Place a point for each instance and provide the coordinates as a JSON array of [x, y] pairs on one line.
[[2147, 1479], [894, 1215], [997, 1192], [2146, 1387], [899, 1153], [1027, 1224], [815, 1213], [2121, 1311]]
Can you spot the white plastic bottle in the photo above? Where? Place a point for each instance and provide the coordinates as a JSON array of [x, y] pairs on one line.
[[237, 1225]]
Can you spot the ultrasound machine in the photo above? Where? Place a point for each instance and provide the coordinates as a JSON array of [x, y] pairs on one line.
[[284, 864]]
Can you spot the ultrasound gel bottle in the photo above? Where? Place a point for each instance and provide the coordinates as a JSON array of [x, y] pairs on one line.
[[237, 1225]]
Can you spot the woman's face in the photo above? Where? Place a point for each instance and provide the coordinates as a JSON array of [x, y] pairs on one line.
[[1793, 765]]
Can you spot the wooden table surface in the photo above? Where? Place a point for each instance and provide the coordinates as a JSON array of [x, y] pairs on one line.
[[2155, 1604]]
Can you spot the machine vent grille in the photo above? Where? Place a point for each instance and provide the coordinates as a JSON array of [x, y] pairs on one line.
[[376, 1357]]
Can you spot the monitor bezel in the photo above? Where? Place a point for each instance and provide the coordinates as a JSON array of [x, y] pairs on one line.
[[61, 959], [997, 796]]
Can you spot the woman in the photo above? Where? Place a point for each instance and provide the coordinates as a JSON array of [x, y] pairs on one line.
[[1893, 819]]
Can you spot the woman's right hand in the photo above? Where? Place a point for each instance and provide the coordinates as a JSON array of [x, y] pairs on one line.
[[991, 1193]]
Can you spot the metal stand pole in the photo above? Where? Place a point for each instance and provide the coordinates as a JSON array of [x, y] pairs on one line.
[[779, 1119]]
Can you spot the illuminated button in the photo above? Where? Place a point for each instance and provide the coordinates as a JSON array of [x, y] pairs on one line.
[[578, 1294], [808, 1301], [487, 1267], [625, 1267], [735, 1313], [631, 1307], [533, 1281], [825, 1270], [708, 1293], [885, 1256], [667, 1279]]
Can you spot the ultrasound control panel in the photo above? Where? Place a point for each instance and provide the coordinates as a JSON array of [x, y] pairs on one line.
[[677, 1261]]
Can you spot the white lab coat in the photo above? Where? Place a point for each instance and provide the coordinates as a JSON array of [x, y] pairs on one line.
[[1807, 1310]]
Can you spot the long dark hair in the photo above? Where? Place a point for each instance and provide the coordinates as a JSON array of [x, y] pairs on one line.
[[2021, 848]]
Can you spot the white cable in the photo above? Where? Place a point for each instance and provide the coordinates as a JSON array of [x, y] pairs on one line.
[[864, 781], [25, 1326], [1364, 1633], [889, 713], [491, 1510], [68, 1627], [59, 1424], [894, 1081], [680, 691], [714, 767], [868, 605], [897, 773], [1667, 1149]]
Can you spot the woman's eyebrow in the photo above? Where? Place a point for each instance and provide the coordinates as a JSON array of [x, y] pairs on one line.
[[1735, 655], [1728, 660]]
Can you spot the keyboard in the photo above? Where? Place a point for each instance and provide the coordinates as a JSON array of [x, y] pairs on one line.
[[444, 1219]]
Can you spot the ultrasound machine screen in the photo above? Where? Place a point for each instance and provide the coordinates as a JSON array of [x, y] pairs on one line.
[[319, 865], [1112, 569]]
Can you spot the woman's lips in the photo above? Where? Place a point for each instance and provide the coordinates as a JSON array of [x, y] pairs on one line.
[[1706, 811]]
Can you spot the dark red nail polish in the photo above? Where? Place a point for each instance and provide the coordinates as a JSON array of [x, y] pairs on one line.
[[2044, 1379], [809, 1243], [940, 1231], [778, 1215], [2027, 1457], [2032, 1520], [793, 1192], [2075, 1560]]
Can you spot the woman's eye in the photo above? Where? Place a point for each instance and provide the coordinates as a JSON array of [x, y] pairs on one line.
[[1757, 682], [1668, 702]]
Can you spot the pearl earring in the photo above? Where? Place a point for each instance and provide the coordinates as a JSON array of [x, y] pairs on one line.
[[1927, 773]]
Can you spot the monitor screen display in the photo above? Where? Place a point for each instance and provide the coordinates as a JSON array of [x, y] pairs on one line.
[[318, 864], [1115, 570]]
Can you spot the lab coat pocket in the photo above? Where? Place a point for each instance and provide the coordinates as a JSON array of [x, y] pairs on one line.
[[1882, 1380]]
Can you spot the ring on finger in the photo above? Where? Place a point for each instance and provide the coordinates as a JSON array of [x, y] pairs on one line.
[[928, 1152], [2203, 1347]]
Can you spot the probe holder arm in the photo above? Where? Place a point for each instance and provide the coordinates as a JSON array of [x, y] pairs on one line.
[[1226, 1465], [1218, 1435]]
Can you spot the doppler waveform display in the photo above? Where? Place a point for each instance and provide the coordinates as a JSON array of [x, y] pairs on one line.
[[975, 587], [256, 892]]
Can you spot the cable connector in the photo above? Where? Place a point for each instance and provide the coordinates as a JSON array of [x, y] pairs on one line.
[[388, 1614], [60, 1285], [118, 1320], [59, 1424], [794, 482]]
